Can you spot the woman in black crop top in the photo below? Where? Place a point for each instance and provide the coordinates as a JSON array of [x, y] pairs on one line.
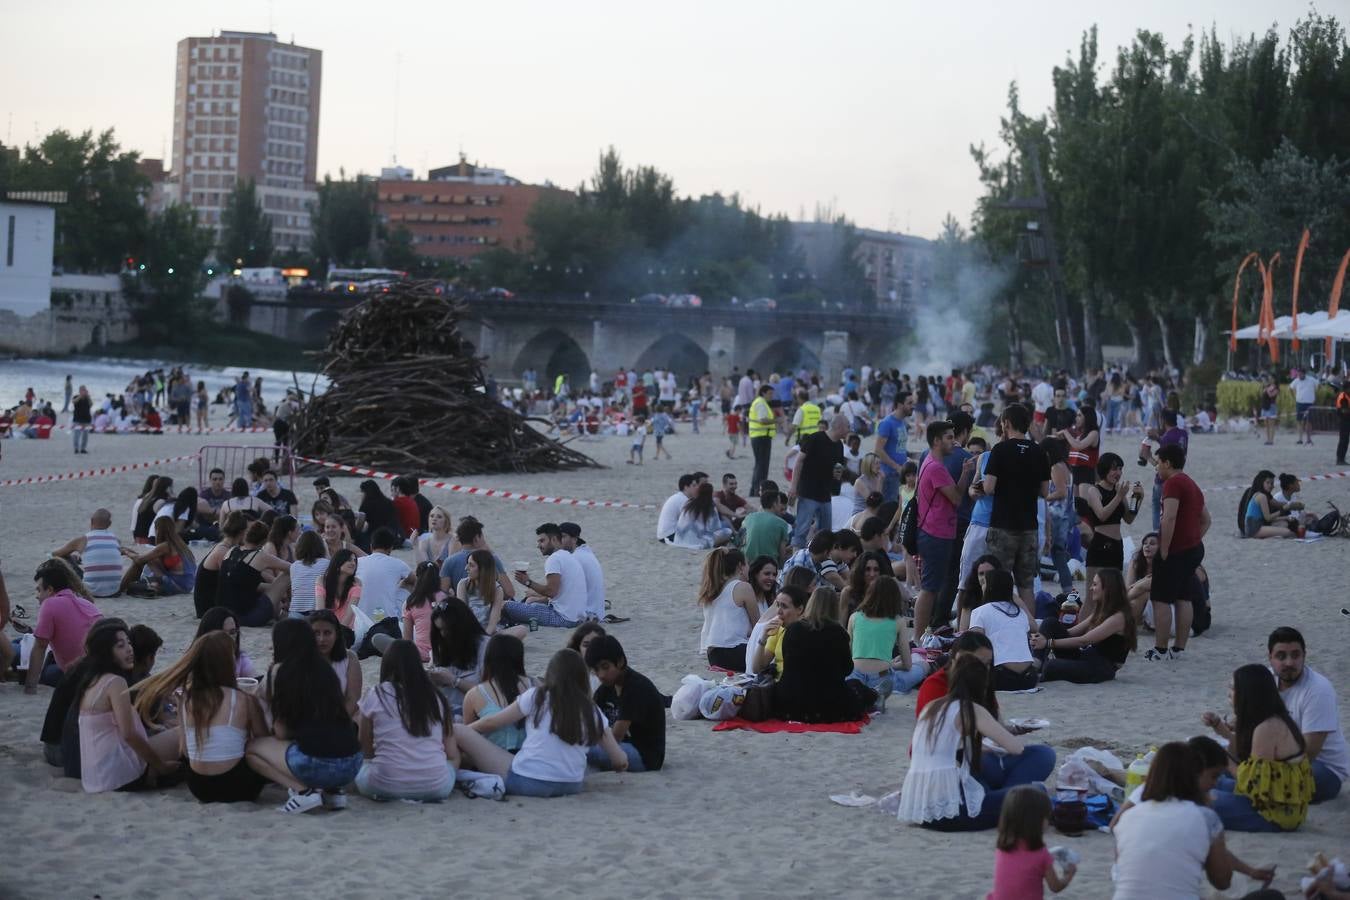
[[1108, 502], [1095, 647]]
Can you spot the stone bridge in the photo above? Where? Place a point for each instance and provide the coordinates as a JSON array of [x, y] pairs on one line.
[[576, 337]]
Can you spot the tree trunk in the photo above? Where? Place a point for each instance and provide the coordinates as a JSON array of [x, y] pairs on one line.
[[1198, 348], [1014, 336], [1092, 335], [1165, 333], [1139, 351]]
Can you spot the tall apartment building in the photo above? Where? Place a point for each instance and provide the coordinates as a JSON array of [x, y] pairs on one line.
[[246, 106]]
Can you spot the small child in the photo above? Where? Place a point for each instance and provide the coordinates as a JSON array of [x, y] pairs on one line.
[[639, 439], [632, 705], [733, 420], [1021, 862], [661, 426]]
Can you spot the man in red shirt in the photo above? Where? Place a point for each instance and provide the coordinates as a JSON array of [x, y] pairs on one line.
[[1185, 520]]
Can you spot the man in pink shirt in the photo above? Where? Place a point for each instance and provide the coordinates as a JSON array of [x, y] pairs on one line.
[[64, 618], [938, 498]]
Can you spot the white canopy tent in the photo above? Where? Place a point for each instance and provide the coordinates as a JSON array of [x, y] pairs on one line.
[[1310, 325], [1338, 328]]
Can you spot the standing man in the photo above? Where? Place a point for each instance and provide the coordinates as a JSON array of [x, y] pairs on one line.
[[805, 420], [1017, 476], [762, 421], [1343, 414], [816, 479], [745, 389], [892, 436], [1304, 387], [938, 497], [243, 402], [560, 600], [82, 420], [66, 406], [1181, 549], [590, 566]]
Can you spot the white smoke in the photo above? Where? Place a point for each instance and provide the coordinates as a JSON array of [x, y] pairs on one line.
[[952, 323]]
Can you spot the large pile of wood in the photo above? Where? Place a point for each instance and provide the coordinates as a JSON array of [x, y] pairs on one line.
[[407, 394]]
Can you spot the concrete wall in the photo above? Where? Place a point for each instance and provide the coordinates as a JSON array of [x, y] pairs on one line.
[[83, 311], [27, 240]]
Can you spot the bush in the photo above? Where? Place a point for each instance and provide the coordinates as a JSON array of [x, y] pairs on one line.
[[1241, 399]]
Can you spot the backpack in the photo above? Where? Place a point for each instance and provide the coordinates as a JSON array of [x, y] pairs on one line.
[[909, 526], [1329, 524]]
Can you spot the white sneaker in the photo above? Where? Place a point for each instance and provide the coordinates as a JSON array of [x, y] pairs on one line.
[[1155, 655], [489, 786], [333, 799], [301, 802]]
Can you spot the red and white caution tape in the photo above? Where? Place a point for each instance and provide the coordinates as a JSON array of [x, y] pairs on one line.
[[96, 473], [167, 429], [480, 491], [1325, 476]]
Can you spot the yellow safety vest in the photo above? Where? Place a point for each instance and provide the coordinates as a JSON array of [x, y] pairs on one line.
[[759, 411], [810, 420]]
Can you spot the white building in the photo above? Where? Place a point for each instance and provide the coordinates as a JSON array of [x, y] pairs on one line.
[[27, 242]]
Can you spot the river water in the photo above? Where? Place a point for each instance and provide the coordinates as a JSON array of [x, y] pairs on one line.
[[111, 376]]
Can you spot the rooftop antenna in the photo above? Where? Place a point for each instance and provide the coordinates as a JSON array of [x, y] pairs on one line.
[[398, 65], [271, 18]]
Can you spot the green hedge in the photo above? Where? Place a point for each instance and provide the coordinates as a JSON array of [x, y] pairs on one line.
[[1241, 399]]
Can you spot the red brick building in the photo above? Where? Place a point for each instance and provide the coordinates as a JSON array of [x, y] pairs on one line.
[[463, 211]]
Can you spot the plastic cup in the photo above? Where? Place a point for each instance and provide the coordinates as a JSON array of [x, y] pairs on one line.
[[247, 685]]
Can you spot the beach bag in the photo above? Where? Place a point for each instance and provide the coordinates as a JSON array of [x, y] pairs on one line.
[[684, 705], [1330, 524], [721, 702], [909, 526], [360, 625]]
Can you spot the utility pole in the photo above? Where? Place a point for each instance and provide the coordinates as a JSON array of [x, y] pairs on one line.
[[1041, 204]]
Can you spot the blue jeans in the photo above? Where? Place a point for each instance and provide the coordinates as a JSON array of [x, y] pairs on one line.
[[1060, 523], [597, 757], [902, 680], [81, 437], [1327, 784], [244, 412], [1236, 811], [890, 484], [520, 786], [809, 511], [1000, 774], [322, 772], [51, 672], [695, 408], [433, 794], [518, 612], [1113, 417]]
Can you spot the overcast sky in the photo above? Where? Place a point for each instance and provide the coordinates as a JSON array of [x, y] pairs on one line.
[[868, 107]]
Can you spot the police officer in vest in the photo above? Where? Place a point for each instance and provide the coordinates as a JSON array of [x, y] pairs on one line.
[[762, 424], [805, 421]]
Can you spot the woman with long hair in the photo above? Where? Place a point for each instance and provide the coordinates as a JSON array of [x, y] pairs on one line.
[[763, 579], [699, 526], [951, 784], [406, 732], [817, 663], [1259, 510], [561, 723], [313, 750], [504, 680], [1060, 507], [1095, 647], [337, 536], [874, 631], [934, 687], [1274, 782], [242, 500], [308, 567], [115, 751], [1085, 444], [1002, 618], [730, 608], [1270, 406], [971, 594], [339, 590], [206, 588], [334, 644], [216, 719], [868, 481], [458, 643], [172, 567], [481, 589], [218, 618], [182, 512], [439, 541], [1139, 574], [1109, 502], [864, 572], [281, 538], [159, 495], [253, 583]]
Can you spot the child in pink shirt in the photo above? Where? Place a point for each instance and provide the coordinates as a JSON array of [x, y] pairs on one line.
[[417, 608], [1022, 865]]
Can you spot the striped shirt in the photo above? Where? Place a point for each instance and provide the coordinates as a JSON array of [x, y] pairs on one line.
[[102, 562], [303, 579]]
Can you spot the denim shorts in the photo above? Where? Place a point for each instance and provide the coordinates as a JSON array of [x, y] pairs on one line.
[[520, 786], [322, 772]]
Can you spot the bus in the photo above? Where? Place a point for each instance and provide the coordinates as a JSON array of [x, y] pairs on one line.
[[362, 281]]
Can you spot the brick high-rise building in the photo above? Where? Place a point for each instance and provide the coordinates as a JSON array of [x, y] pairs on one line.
[[246, 106]]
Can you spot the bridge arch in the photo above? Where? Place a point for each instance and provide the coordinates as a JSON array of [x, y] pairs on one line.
[[675, 352], [552, 353], [786, 354], [318, 324]]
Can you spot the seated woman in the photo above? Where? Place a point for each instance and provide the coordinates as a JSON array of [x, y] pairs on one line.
[[313, 750], [158, 494], [817, 662], [879, 642], [241, 500], [338, 590], [763, 580], [867, 483], [307, 569], [481, 589], [871, 510], [1139, 575], [1002, 618], [1274, 781], [172, 567], [206, 586], [332, 642], [458, 643], [216, 719], [115, 751], [504, 680], [337, 536], [406, 732], [182, 512], [699, 526], [953, 784], [971, 594], [788, 606], [218, 618], [861, 576], [254, 584], [1260, 511], [1170, 842], [934, 687], [1095, 647], [730, 609], [561, 723], [439, 541], [581, 638], [281, 538], [1108, 502]]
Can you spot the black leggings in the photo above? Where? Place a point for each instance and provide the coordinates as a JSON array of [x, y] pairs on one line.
[[1105, 552], [1006, 679], [732, 658], [239, 785], [1076, 665]]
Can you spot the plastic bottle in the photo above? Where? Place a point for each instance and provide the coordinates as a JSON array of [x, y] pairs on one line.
[[1068, 610], [1138, 771]]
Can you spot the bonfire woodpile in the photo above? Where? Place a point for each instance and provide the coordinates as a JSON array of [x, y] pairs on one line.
[[407, 394]]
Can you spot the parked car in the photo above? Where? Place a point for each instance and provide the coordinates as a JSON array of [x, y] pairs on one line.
[[691, 300], [499, 293], [650, 300], [761, 303]]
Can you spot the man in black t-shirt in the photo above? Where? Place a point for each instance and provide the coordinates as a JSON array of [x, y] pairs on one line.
[[1059, 417], [1017, 477], [632, 705], [276, 496], [816, 479]]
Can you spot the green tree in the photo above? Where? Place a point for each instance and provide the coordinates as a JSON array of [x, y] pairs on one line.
[[166, 295], [398, 252], [245, 230], [344, 221]]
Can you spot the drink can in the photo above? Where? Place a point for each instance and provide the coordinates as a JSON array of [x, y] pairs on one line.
[[534, 624]]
